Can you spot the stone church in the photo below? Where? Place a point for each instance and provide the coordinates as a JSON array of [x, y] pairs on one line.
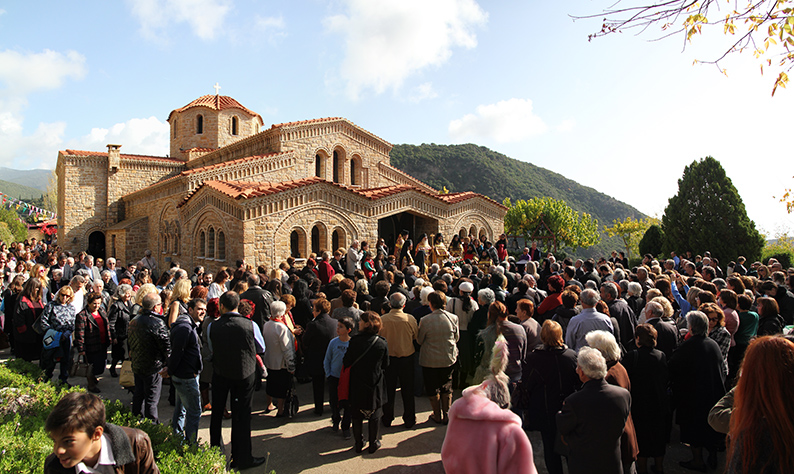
[[231, 189]]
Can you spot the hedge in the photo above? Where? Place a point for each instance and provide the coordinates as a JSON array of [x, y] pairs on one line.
[[25, 402]]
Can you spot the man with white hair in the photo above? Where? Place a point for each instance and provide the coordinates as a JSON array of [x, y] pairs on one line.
[[354, 255], [588, 320], [591, 420]]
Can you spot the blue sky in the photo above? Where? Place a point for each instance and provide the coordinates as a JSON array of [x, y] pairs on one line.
[[621, 114]]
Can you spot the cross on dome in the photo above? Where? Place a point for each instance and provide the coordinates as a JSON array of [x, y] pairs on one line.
[[217, 88]]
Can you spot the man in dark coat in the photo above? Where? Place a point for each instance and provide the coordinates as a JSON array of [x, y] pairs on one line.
[[592, 419], [667, 332], [698, 383], [318, 334], [150, 346], [234, 341], [261, 299], [620, 310]]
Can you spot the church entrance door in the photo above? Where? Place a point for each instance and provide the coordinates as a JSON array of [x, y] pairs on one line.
[[96, 244]]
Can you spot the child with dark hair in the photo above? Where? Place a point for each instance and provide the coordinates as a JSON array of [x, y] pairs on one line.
[[333, 368], [83, 440]]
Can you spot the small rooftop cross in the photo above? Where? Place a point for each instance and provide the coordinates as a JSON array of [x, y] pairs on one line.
[[217, 88]]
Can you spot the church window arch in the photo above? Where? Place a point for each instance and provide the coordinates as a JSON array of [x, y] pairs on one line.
[[319, 238], [165, 242], [297, 243], [211, 243], [355, 171], [221, 245], [176, 244], [175, 129], [199, 124], [339, 165], [336, 166], [202, 246], [473, 231], [235, 125], [320, 163], [338, 239]]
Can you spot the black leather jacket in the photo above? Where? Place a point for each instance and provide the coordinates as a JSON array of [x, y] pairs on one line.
[[150, 344]]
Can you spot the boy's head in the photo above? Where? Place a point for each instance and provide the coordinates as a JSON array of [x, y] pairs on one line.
[[76, 425], [344, 327]]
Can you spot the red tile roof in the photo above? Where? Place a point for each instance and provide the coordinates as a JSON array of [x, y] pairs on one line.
[[216, 102], [305, 122], [124, 156], [246, 190], [230, 163]]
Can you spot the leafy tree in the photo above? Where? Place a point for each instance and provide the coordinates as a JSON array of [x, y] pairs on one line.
[[16, 228], [652, 241], [764, 27], [629, 231], [552, 222], [708, 214]]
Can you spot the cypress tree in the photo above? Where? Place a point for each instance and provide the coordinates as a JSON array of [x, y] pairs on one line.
[[708, 214], [652, 241]]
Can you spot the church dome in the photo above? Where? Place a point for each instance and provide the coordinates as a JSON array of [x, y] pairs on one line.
[[216, 102]]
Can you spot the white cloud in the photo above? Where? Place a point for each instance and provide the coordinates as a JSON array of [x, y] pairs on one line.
[[505, 121], [422, 92], [386, 41], [205, 17], [272, 28], [24, 73], [20, 75], [139, 136], [566, 125]]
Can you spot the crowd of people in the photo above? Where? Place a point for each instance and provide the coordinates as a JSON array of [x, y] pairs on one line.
[[597, 356]]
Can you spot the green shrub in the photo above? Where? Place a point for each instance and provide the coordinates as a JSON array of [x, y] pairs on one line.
[[25, 445]]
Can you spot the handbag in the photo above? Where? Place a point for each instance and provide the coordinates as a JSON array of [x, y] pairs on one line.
[[81, 368], [126, 377], [291, 404], [343, 389]]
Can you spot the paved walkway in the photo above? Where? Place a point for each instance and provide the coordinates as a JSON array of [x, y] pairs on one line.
[[306, 443]]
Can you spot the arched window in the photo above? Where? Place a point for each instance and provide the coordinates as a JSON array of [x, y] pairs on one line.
[[315, 240], [319, 164], [336, 166], [202, 246], [234, 125], [174, 128], [165, 243], [294, 244], [354, 169], [337, 239], [176, 244], [199, 124], [221, 245], [211, 243]]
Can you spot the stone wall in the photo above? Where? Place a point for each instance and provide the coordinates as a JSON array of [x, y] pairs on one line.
[[82, 199]]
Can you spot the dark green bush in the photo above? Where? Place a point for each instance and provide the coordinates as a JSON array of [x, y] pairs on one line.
[[25, 445]]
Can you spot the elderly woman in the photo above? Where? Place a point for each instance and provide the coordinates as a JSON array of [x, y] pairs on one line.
[[119, 316], [438, 337], [549, 376], [367, 357], [717, 331], [650, 408], [698, 383], [29, 307], [484, 437], [606, 343], [279, 356], [463, 306], [57, 322]]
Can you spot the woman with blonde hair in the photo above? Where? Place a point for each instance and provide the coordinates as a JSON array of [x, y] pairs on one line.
[[179, 298], [57, 321], [717, 331], [40, 271]]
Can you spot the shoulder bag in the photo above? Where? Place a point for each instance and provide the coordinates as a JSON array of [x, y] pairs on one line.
[[343, 389]]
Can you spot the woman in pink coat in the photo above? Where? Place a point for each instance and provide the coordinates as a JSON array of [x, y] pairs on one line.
[[484, 436]]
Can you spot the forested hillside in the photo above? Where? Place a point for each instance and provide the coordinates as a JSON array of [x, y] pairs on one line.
[[476, 168]]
